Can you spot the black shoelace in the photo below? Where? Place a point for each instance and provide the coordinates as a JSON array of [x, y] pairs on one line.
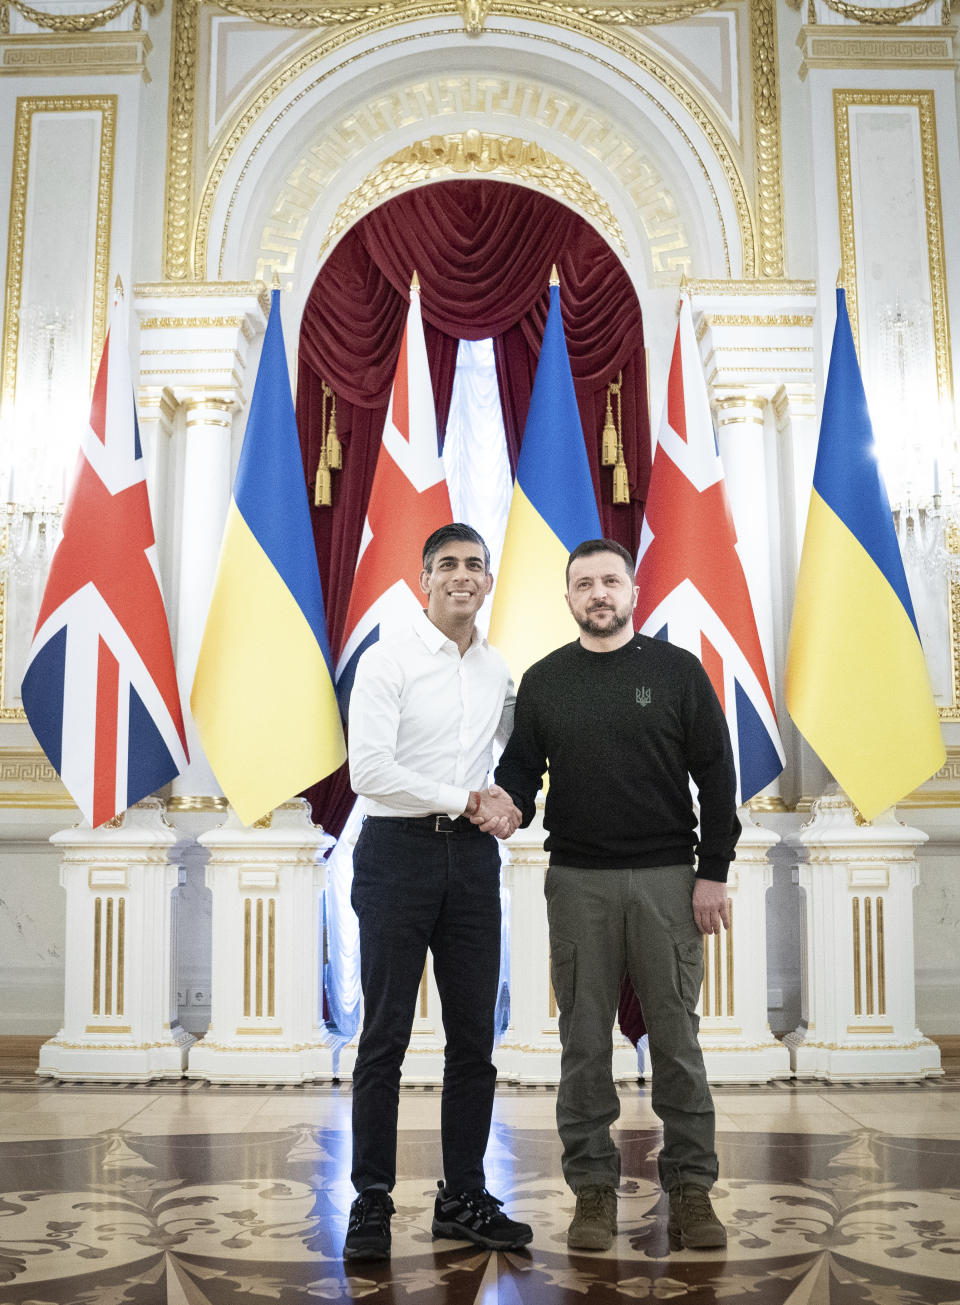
[[372, 1208]]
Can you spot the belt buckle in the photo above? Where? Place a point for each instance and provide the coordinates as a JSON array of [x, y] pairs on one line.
[[442, 824]]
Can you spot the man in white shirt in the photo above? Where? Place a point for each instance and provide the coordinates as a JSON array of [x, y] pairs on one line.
[[425, 709]]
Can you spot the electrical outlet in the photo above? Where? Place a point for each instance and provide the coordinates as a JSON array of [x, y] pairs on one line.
[[774, 999], [181, 997], [199, 997]]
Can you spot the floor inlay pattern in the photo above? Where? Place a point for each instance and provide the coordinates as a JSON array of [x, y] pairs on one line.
[[166, 1208]]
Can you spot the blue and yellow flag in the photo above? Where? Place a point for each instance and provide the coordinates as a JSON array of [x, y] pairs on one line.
[[263, 696], [856, 684], [553, 509]]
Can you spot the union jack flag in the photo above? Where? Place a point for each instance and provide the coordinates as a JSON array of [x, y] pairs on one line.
[[408, 501], [100, 689], [693, 590]]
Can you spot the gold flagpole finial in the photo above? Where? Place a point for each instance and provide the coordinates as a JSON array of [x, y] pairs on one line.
[[414, 283], [118, 287], [682, 289], [840, 285], [554, 275], [275, 283]]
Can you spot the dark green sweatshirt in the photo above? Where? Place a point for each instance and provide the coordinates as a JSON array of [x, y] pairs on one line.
[[619, 733]]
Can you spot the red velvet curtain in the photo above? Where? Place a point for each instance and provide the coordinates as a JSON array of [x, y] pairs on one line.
[[483, 252]]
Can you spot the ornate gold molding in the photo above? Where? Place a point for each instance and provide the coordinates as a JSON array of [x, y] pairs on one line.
[[178, 202], [876, 47], [877, 14], [924, 104], [478, 152], [750, 288], [25, 766], [325, 13], [27, 107], [54, 22], [179, 257], [766, 131], [201, 802], [754, 320], [76, 54]]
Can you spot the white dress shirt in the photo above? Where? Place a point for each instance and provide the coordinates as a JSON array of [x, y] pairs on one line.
[[423, 721]]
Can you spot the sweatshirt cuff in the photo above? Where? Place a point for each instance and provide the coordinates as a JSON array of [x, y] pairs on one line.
[[713, 867]]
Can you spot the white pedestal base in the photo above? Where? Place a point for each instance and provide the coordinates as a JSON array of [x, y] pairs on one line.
[[738, 1046], [265, 999], [859, 1007], [119, 998]]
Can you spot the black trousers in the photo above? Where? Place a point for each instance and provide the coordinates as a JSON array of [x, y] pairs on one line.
[[414, 890]]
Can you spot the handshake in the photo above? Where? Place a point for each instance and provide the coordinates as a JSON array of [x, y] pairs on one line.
[[493, 810]]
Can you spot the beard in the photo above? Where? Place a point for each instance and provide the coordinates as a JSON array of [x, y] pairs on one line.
[[619, 618]]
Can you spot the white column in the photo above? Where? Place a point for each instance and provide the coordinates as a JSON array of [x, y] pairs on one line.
[[740, 438], [156, 415], [738, 1046], [265, 992], [205, 497], [859, 1010], [795, 412], [119, 998]]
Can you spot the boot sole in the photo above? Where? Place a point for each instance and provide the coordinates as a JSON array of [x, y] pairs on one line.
[[589, 1243], [676, 1242], [366, 1253], [457, 1232]]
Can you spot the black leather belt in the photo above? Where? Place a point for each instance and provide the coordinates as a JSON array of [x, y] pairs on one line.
[[440, 824]]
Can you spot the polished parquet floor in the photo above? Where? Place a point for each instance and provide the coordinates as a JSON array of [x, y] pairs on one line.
[[190, 1194]]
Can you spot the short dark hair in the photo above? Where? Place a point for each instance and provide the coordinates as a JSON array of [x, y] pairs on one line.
[[457, 530], [591, 546]]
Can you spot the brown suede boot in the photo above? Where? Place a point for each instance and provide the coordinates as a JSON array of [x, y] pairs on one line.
[[594, 1223], [693, 1223]]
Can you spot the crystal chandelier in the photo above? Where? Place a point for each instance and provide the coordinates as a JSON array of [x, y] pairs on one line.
[[916, 442], [38, 438]]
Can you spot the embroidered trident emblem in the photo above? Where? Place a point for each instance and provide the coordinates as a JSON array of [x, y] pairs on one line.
[[643, 696]]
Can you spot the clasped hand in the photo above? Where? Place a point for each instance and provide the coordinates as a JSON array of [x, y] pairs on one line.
[[497, 813]]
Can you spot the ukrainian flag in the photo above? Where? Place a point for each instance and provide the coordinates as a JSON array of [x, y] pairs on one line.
[[263, 696], [856, 680], [553, 509]]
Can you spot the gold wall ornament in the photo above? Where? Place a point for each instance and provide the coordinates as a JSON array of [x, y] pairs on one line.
[[54, 22], [462, 153], [474, 15], [766, 132]]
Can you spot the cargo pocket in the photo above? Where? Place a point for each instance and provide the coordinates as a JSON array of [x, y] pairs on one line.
[[563, 972], [690, 966]]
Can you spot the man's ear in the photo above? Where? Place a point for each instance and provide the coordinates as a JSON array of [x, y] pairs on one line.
[[489, 582], [425, 581]]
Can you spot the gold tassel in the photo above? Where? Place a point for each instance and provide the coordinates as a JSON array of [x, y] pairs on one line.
[[621, 481], [323, 490], [608, 446], [332, 445]]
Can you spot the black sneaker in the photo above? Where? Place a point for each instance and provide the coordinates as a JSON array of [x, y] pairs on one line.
[[368, 1232], [475, 1217]]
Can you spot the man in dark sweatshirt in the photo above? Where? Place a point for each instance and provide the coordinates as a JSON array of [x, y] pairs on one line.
[[621, 722]]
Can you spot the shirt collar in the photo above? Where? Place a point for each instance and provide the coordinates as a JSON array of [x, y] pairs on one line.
[[435, 639]]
